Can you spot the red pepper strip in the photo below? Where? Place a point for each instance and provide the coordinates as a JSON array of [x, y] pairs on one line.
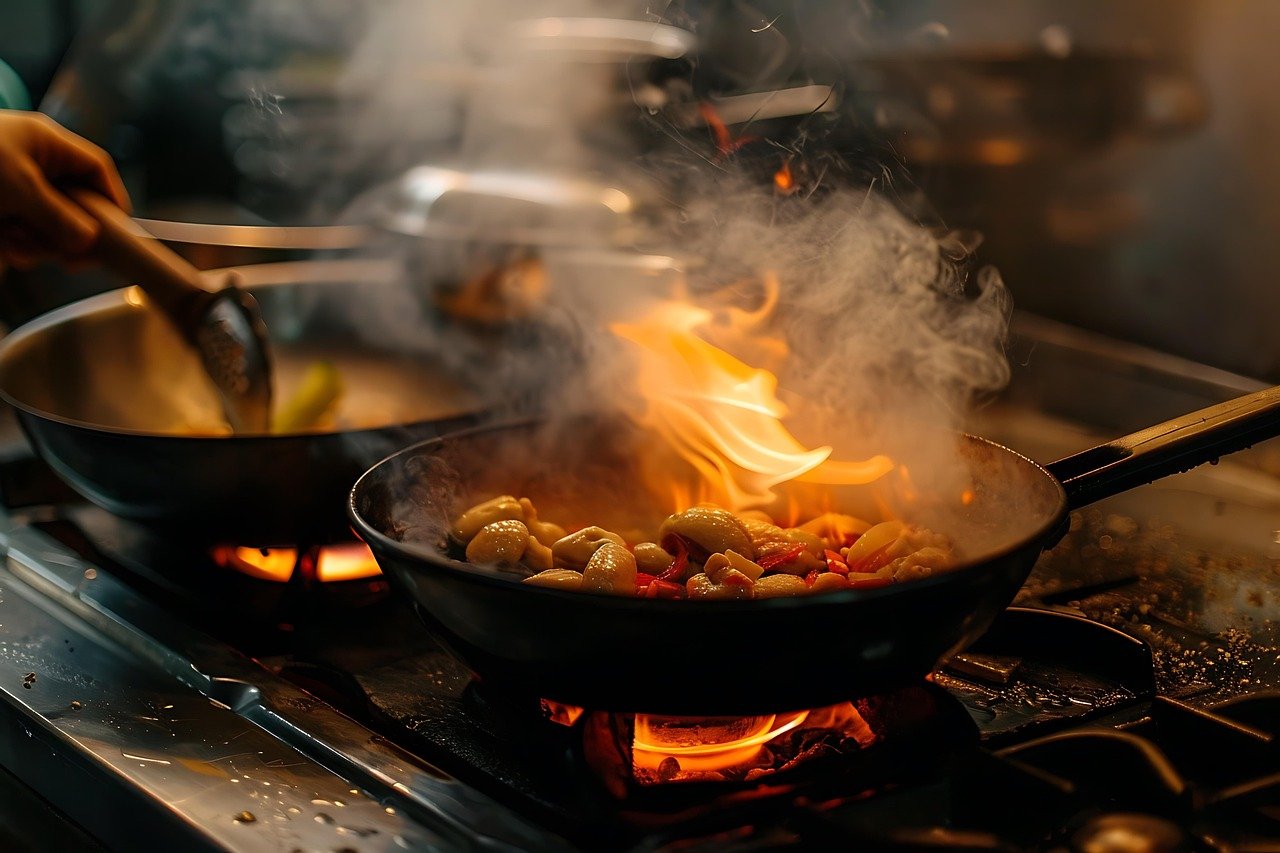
[[642, 581], [836, 563], [774, 560], [872, 561], [869, 583], [811, 578], [681, 561], [664, 589]]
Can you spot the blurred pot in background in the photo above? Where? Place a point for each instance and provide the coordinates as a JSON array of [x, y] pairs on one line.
[[1122, 160]]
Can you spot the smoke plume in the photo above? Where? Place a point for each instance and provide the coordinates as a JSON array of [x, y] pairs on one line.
[[883, 338]]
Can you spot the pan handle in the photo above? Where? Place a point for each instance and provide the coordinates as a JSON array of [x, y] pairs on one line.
[[1169, 448]]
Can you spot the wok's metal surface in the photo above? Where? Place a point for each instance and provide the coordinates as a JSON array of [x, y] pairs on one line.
[[111, 399], [508, 207]]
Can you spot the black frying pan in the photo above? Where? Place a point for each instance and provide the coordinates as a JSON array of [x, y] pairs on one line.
[[684, 657], [109, 396]]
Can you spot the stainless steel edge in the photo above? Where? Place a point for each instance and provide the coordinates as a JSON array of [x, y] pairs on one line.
[[1160, 366], [304, 237], [148, 713]]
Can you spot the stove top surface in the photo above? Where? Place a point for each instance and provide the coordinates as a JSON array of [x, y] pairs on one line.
[[1061, 705]]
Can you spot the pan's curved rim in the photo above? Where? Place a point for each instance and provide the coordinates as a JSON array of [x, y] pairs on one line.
[[256, 277], [971, 568]]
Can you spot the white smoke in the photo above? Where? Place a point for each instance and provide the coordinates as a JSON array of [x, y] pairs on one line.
[[884, 328], [879, 321]]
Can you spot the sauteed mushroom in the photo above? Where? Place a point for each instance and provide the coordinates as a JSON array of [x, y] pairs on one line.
[[706, 553], [501, 508], [576, 550], [502, 542], [713, 530]]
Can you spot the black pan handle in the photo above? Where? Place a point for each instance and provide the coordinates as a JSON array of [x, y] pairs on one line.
[[1168, 448]]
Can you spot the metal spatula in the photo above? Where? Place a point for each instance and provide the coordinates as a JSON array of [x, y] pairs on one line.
[[224, 326]]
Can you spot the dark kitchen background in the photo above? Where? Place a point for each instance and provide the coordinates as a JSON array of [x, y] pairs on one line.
[[1119, 159]]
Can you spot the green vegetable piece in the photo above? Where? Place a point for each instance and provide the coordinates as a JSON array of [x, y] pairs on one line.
[[316, 397]]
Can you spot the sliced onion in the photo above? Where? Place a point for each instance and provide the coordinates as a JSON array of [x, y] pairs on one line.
[[873, 540]]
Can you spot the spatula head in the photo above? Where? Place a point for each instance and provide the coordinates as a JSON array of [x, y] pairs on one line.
[[231, 339]]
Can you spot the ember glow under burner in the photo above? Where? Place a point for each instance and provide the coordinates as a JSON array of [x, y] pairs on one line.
[[327, 564], [669, 749], [638, 756]]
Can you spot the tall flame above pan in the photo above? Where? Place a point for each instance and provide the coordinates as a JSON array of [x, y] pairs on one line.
[[721, 415]]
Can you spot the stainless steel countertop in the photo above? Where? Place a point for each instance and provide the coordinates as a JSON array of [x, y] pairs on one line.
[[157, 714]]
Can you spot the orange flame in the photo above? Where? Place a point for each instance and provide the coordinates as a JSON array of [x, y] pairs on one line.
[[352, 561], [845, 718], [783, 181], [721, 415], [560, 713], [726, 143], [702, 744]]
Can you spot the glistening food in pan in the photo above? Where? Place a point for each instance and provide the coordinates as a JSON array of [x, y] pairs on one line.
[[704, 552]]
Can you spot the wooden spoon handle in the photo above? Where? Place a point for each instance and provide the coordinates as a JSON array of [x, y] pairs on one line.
[[166, 277]]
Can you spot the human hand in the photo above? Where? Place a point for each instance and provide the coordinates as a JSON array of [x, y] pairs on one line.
[[37, 221]]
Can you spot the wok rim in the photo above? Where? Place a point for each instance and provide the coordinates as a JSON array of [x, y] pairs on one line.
[[115, 299], [463, 570]]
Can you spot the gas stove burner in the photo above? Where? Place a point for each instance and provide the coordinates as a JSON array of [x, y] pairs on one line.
[[1130, 833], [325, 564], [658, 758], [674, 749]]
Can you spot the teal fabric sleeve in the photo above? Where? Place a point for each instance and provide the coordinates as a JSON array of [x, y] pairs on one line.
[[13, 93]]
